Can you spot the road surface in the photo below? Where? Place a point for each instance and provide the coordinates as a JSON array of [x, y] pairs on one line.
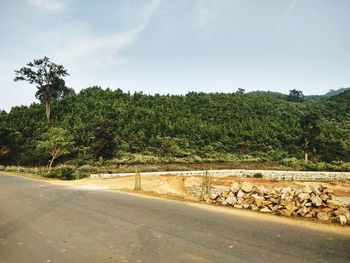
[[41, 222]]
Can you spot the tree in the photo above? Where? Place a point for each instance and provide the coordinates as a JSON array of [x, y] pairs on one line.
[[296, 96], [48, 78], [240, 91], [104, 144], [9, 142], [57, 142], [310, 133]]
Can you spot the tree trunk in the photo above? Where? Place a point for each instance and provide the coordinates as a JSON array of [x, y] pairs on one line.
[[306, 157], [48, 110], [50, 165], [306, 150]]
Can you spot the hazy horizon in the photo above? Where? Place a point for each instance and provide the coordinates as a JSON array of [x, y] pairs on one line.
[[175, 47]]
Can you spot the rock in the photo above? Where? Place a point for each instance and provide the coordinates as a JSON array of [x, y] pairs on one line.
[[245, 206], [261, 190], [240, 194], [238, 206], [286, 190], [347, 215], [235, 187], [274, 208], [302, 211], [224, 194], [333, 203], [342, 220], [230, 200], [214, 196], [286, 212], [274, 200], [258, 200], [316, 191], [308, 204], [288, 204], [247, 187], [223, 202], [340, 211], [323, 216], [316, 200], [205, 197], [324, 197], [254, 207], [307, 189], [303, 196], [265, 210]]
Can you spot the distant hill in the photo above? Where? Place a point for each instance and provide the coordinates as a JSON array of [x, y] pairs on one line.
[[226, 126], [333, 92], [329, 94]]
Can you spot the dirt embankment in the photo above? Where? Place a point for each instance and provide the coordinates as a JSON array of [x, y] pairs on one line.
[[178, 185]]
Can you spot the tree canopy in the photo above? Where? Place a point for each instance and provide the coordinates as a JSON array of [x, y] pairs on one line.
[[48, 78], [113, 124]]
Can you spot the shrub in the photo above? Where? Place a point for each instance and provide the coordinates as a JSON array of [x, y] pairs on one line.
[[66, 172], [258, 175]]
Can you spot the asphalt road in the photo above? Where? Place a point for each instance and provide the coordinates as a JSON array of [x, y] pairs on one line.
[[40, 222]]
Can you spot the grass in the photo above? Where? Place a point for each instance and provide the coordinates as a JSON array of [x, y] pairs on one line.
[[113, 166]]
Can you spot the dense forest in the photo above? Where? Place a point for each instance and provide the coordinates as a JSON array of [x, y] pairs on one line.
[[104, 124]]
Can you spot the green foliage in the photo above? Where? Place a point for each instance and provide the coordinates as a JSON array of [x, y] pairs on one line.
[[197, 127], [310, 132], [258, 175], [48, 78], [66, 172], [295, 96], [103, 142], [57, 142]]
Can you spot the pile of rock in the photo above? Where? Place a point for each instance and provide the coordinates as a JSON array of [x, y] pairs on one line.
[[309, 202]]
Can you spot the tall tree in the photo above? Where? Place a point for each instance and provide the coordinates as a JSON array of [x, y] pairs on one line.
[[310, 133], [48, 78], [295, 96], [103, 144]]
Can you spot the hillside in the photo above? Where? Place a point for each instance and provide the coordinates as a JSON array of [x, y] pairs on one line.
[[217, 126]]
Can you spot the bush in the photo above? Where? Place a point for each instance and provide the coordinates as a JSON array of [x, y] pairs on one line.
[[66, 172], [258, 175]]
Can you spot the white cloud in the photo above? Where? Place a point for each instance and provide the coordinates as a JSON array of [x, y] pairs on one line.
[[90, 50], [96, 51], [50, 5]]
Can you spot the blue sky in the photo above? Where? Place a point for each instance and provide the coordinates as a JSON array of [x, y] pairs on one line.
[[177, 46]]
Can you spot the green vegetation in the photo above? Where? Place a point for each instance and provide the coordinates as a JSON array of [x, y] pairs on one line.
[[48, 78], [57, 142], [258, 175], [109, 128]]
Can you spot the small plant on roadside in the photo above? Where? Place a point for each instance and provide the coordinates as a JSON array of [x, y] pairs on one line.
[[258, 175], [68, 173]]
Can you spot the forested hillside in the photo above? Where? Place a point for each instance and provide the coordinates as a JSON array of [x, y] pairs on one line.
[[107, 124]]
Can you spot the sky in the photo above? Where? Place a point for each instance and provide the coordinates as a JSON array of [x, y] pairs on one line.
[[177, 46]]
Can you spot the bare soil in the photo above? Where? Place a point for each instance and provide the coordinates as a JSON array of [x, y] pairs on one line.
[[176, 185]]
